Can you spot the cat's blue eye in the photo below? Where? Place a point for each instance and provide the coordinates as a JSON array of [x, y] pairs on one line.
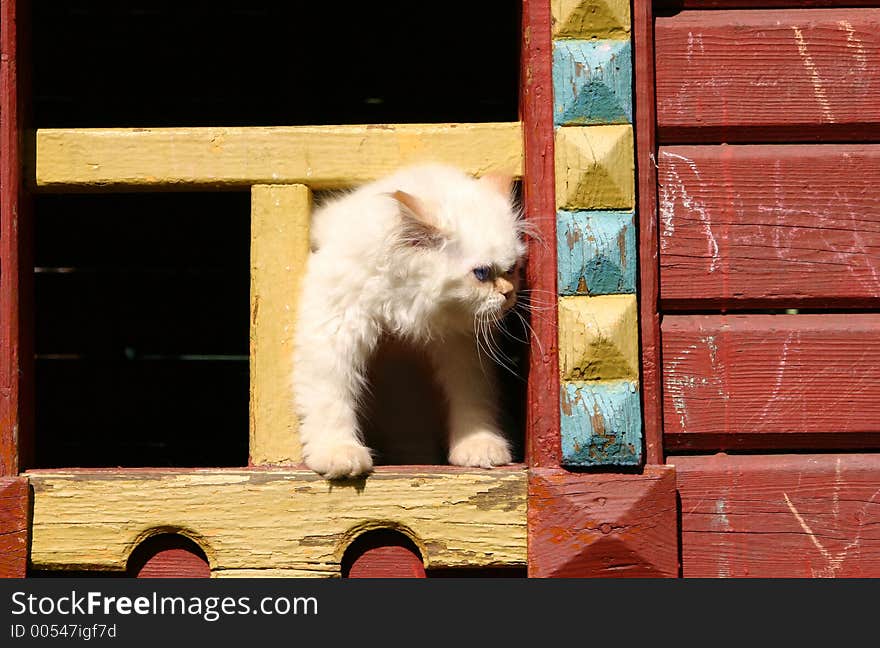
[[482, 272]]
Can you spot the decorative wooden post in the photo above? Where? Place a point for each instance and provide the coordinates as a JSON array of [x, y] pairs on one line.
[[16, 354], [586, 524]]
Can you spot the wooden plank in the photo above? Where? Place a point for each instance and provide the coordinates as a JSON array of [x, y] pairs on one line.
[[678, 5], [601, 424], [772, 381], [603, 525], [765, 226], [280, 216], [790, 516], [598, 337], [16, 346], [596, 252], [321, 157], [592, 82], [590, 18], [278, 519], [649, 280], [536, 106], [14, 528], [789, 75]]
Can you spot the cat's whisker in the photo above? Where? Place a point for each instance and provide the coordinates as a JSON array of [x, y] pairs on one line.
[[533, 334], [537, 314], [535, 307], [509, 334], [499, 356], [495, 353], [479, 348]]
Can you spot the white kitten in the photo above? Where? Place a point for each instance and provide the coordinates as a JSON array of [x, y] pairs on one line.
[[429, 254]]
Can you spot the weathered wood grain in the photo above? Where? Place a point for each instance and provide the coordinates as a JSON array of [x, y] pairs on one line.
[[539, 204], [771, 381], [758, 226], [601, 423], [595, 167], [678, 5], [16, 345], [598, 337], [596, 252], [791, 516], [603, 525], [592, 82], [646, 179], [277, 519], [790, 75], [14, 529], [318, 156], [590, 18], [280, 216]]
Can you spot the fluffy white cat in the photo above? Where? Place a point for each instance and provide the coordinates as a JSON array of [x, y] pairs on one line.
[[429, 254]]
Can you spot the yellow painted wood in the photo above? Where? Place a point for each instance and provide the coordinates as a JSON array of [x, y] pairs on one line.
[[590, 18], [318, 156], [277, 519], [279, 250], [598, 338], [270, 573], [595, 167]]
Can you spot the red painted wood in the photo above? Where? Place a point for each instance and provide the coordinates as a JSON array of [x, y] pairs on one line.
[[789, 75], [678, 5], [780, 515], [387, 562], [15, 357], [14, 528], [771, 381], [649, 282], [168, 556], [536, 109], [383, 554], [770, 226], [602, 525]]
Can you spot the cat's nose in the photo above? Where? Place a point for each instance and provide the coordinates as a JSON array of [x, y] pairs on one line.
[[503, 286]]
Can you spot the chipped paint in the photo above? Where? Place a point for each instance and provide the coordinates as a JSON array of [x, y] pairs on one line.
[[592, 82], [601, 424], [596, 252]]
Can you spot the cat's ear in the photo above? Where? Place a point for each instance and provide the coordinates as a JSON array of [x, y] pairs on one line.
[[421, 225], [500, 182]]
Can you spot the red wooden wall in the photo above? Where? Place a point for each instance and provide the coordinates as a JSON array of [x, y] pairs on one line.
[[768, 225]]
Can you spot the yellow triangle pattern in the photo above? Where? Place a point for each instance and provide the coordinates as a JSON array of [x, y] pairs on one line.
[[590, 18]]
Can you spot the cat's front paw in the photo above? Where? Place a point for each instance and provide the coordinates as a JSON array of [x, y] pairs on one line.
[[480, 449], [339, 460]]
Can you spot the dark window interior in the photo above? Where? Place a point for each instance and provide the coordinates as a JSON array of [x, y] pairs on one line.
[[141, 300], [142, 329], [105, 63]]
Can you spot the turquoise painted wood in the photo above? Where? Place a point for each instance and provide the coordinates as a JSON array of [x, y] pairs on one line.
[[601, 424], [592, 82], [596, 252]]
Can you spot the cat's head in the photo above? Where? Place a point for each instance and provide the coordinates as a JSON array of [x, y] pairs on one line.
[[469, 233]]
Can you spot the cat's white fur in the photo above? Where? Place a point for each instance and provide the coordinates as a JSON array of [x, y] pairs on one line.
[[397, 257]]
